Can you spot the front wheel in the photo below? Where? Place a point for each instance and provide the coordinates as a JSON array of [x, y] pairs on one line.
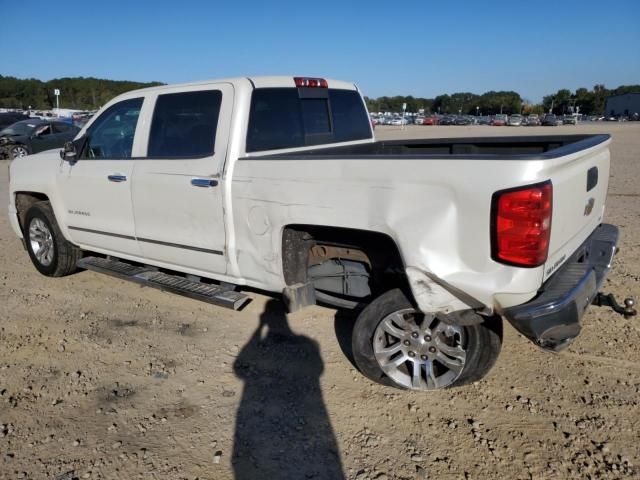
[[395, 344], [18, 151], [50, 252]]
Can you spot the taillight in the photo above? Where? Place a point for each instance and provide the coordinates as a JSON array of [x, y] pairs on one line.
[[310, 82], [521, 225]]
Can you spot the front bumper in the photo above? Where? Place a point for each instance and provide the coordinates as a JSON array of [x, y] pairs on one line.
[[553, 318]]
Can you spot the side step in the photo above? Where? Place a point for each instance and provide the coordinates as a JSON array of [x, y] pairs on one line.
[[223, 296]]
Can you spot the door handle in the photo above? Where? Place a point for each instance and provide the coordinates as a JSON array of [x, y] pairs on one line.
[[204, 182], [117, 178]]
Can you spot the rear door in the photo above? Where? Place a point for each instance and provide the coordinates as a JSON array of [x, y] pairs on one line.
[[177, 191]]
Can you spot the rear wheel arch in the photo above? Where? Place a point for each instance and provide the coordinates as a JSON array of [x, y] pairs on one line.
[[306, 245]]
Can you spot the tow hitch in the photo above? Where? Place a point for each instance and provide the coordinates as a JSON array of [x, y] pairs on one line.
[[608, 300]]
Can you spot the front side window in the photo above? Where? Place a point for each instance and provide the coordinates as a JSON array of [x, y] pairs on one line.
[[184, 125], [43, 130], [111, 135]]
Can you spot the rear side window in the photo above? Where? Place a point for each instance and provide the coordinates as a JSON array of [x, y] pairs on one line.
[[61, 128], [283, 118], [184, 125]]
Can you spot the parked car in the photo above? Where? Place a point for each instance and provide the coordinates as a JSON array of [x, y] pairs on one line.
[[515, 120], [431, 288], [484, 120], [550, 120], [447, 120], [431, 120], [418, 120], [533, 120], [31, 136], [400, 121], [570, 120], [499, 120], [462, 120], [9, 118]]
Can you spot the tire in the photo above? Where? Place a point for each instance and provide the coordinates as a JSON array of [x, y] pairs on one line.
[[50, 252], [396, 345], [18, 151]]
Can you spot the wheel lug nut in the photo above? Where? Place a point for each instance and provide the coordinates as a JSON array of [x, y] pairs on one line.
[[415, 335], [407, 342], [424, 357], [412, 354], [432, 349], [427, 338]]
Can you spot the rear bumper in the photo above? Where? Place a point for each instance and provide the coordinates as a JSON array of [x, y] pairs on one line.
[[553, 318]]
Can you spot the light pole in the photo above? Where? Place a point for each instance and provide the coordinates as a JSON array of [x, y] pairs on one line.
[[56, 92], [477, 110]]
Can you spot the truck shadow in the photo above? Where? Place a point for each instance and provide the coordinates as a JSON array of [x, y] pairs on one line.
[[282, 430]]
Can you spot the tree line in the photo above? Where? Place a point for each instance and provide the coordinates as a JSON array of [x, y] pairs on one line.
[[589, 102], [78, 93], [88, 93]]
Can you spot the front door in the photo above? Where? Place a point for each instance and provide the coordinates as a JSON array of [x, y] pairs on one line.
[[177, 187], [96, 189], [44, 138]]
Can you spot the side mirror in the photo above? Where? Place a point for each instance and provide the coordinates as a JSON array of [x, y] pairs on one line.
[[69, 152]]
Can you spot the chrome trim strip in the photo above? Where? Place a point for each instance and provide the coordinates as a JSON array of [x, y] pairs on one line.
[[98, 232], [177, 245], [147, 240]]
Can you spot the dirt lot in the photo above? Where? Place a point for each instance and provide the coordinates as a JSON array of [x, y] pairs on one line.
[[100, 378]]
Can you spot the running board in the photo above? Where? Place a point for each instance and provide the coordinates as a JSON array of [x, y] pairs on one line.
[[223, 296]]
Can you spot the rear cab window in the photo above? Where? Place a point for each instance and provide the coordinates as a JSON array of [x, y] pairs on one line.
[[282, 118]]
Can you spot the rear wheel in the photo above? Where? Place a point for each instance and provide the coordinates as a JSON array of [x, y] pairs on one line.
[[50, 252], [397, 345]]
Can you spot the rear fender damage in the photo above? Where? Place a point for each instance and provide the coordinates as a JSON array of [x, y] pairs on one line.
[[433, 295]]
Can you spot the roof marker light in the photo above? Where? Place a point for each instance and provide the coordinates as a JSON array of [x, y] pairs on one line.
[[310, 82]]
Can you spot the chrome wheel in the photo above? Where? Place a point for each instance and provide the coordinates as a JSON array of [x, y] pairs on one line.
[[418, 351], [19, 151], [41, 242]]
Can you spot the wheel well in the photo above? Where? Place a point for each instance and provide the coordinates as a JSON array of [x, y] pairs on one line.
[[305, 246], [25, 200]]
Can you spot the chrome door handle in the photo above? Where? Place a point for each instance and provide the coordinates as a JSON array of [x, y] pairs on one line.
[[204, 182], [117, 178]]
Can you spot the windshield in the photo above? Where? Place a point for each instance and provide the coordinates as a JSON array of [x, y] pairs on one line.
[[19, 128]]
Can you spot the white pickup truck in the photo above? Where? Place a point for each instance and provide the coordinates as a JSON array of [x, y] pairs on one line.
[[277, 183]]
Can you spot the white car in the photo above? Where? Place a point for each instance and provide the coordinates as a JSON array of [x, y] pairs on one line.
[[400, 121], [277, 183]]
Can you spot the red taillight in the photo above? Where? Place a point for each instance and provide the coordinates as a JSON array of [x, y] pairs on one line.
[[521, 225], [310, 82]]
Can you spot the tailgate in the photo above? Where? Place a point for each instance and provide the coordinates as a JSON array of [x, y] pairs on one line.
[[580, 181]]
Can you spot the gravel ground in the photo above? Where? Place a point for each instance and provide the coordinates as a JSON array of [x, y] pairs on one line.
[[100, 378]]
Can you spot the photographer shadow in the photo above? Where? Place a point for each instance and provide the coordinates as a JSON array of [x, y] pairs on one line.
[[282, 427]]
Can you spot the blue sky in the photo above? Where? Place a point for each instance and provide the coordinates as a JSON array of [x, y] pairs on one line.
[[420, 48]]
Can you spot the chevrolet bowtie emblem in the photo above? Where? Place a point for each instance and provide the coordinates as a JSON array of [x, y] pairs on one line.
[[588, 208]]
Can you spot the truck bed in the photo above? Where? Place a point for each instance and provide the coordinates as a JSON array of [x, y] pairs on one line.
[[507, 148]]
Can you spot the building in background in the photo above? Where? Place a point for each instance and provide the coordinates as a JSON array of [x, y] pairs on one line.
[[626, 104]]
